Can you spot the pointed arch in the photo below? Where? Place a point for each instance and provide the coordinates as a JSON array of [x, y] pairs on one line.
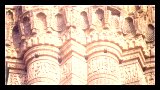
[[16, 36], [41, 22], [100, 14], [61, 24], [85, 20], [151, 27], [150, 33], [128, 26], [129, 20], [27, 26]]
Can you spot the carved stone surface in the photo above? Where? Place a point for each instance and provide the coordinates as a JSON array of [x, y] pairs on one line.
[[131, 74], [103, 64], [15, 78], [43, 68], [80, 44], [73, 64], [66, 70], [150, 78], [106, 68]]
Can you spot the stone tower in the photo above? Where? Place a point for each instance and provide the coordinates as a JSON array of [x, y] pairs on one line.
[[80, 45]]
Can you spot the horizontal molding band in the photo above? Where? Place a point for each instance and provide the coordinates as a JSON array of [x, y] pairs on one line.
[[40, 52], [103, 47], [51, 61], [102, 75], [106, 83], [32, 58], [16, 71], [41, 47], [105, 43], [102, 51], [24, 52], [42, 79], [13, 65]]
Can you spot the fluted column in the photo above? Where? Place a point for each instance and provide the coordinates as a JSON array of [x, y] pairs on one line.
[[103, 63], [42, 65], [40, 53]]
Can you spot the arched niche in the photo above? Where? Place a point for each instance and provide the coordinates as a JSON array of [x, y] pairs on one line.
[[16, 35], [27, 26], [128, 26], [100, 14], [149, 34], [61, 24], [9, 15], [41, 23], [85, 21]]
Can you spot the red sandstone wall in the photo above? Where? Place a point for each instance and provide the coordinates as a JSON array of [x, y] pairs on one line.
[[82, 45]]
